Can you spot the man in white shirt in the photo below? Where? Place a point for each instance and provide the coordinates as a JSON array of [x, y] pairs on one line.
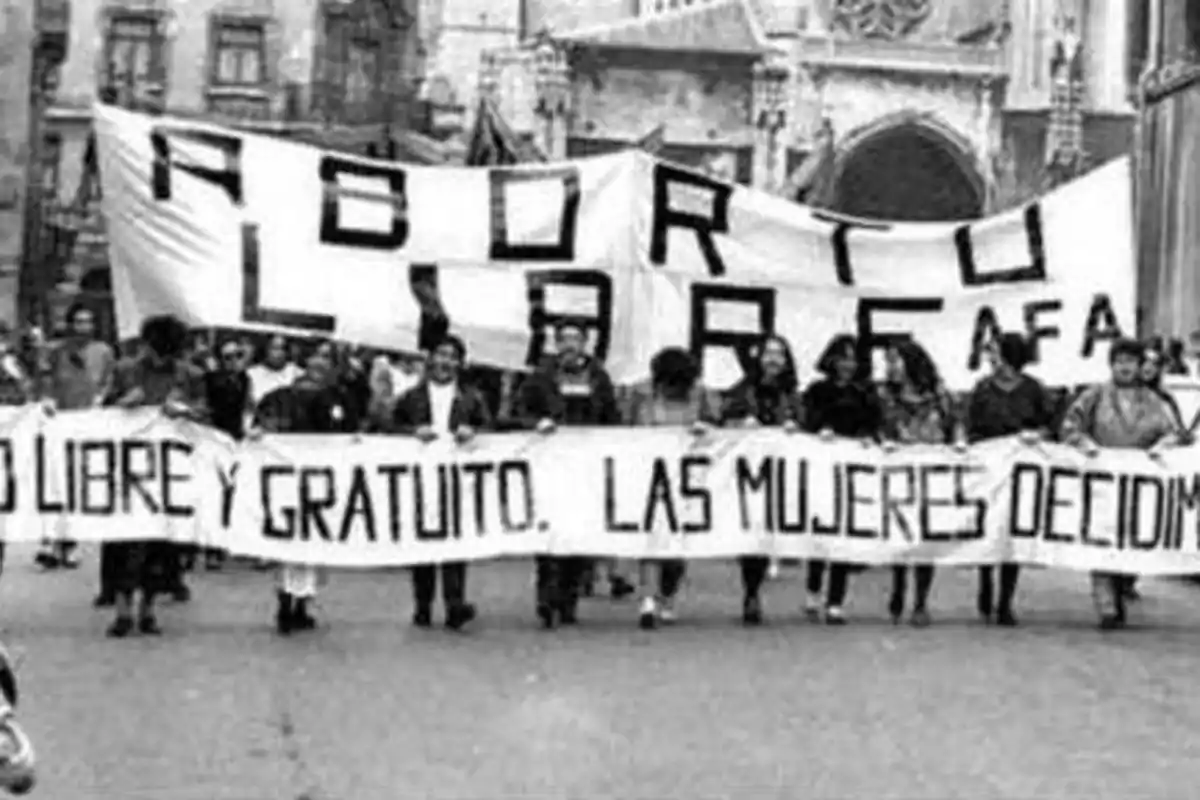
[[441, 405], [274, 372]]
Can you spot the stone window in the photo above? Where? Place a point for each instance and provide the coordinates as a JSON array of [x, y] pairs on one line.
[[353, 66], [134, 54], [238, 53], [880, 19]]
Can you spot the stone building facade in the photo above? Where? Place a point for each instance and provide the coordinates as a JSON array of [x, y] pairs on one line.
[[946, 101], [343, 73]]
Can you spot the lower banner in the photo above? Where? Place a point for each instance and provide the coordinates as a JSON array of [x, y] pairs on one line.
[[380, 501]]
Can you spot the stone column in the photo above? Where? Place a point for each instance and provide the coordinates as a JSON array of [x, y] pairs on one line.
[[772, 79]]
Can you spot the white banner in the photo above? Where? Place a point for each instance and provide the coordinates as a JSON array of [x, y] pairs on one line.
[[238, 230], [633, 493]]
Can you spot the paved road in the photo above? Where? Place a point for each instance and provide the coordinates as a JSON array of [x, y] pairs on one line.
[[366, 709]]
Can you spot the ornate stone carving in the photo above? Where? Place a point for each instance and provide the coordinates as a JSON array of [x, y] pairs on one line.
[[880, 19]]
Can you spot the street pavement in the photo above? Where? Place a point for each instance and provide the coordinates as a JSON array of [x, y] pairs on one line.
[[220, 708]]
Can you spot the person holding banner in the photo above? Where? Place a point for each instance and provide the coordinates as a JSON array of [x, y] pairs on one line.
[[839, 404], [1123, 413], [275, 371], [158, 376], [569, 388], [916, 409], [768, 396], [1006, 403], [673, 398], [442, 405], [314, 403], [76, 374]]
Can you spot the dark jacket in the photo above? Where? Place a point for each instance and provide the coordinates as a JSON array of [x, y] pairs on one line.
[[749, 400], [850, 410], [589, 401], [228, 394], [413, 409]]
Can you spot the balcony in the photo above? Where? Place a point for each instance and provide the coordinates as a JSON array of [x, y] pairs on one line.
[[52, 23], [926, 58]]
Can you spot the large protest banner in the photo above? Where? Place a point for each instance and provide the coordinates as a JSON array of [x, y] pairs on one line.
[[378, 501], [232, 229]]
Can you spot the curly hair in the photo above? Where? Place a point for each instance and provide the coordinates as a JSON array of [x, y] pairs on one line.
[[918, 366], [165, 335]]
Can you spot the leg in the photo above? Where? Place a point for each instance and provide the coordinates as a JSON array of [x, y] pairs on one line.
[[66, 553], [670, 577], [123, 585], [754, 572], [153, 575], [285, 612], [1009, 573], [454, 595], [814, 582], [899, 589], [572, 572], [424, 585], [547, 580], [839, 583], [647, 582], [987, 591], [1105, 592], [924, 574], [107, 581]]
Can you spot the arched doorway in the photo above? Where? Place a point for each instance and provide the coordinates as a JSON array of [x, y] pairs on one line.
[[907, 172]]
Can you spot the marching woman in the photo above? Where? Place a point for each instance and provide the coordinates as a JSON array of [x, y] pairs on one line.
[[442, 405], [673, 398], [1006, 403], [1122, 413], [314, 403], [160, 375], [766, 396], [838, 404], [916, 409]]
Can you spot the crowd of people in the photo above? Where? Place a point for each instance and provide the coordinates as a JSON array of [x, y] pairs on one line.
[[246, 388]]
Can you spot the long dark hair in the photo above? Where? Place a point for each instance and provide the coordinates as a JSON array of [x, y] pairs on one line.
[[787, 381], [838, 345], [918, 366]]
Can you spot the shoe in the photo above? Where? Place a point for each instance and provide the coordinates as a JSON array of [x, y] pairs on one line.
[[545, 613], [120, 628], [301, 619], [46, 560], [834, 616], [921, 618], [148, 625], [104, 600], [896, 609], [69, 562], [1110, 622], [567, 615], [619, 588], [666, 611], [648, 614], [422, 618], [752, 613], [181, 594], [1006, 619], [812, 606], [458, 616]]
